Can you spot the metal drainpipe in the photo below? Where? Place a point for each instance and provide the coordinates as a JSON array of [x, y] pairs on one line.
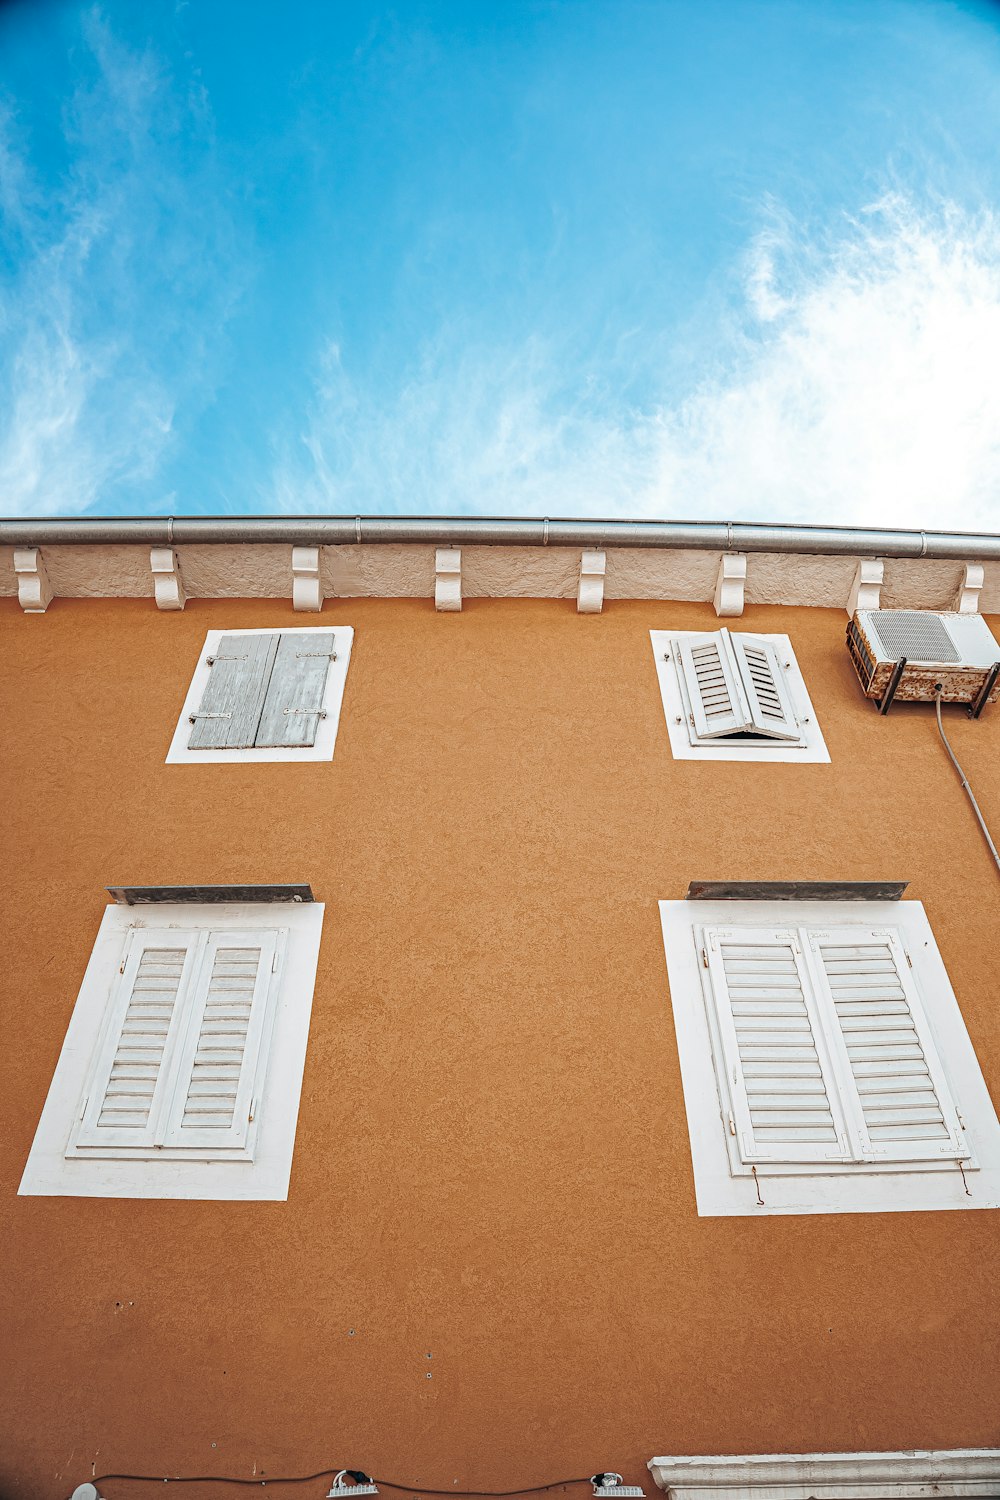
[[711, 536]]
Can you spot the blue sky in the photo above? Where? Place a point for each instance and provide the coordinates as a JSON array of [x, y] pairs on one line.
[[734, 259]]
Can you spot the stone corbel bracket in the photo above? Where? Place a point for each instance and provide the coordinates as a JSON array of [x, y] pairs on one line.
[[307, 586], [731, 583], [34, 592], [448, 578], [967, 602], [590, 590], [168, 585], [866, 590]]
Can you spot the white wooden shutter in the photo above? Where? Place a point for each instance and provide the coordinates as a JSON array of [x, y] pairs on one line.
[[905, 1106], [222, 1053], [777, 1072], [711, 674], [771, 711], [294, 703], [228, 716], [127, 1085]]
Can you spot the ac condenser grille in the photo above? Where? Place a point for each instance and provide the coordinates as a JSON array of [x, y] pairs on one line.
[[913, 635]]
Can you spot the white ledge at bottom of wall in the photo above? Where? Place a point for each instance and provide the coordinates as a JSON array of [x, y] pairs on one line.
[[831, 1476]]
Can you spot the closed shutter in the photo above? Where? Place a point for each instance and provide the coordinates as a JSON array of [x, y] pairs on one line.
[[125, 1096], [778, 1077], [718, 702], [771, 711], [905, 1106], [219, 1072], [294, 703], [228, 716]]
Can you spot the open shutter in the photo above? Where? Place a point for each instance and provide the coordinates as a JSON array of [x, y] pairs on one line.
[[718, 702], [906, 1106], [294, 703], [771, 711], [126, 1090], [777, 1074], [228, 716], [223, 1049]]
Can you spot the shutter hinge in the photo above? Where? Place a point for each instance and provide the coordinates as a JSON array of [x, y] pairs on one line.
[[211, 660], [121, 967], [329, 655], [253, 1110], [193, 717], [274, 963], [909, 960], [732, 1125], [704, 959], [316, 713], [84, 1109], [960, 1119]]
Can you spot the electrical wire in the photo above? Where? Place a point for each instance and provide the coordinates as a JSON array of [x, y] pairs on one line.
[[964, 779], [389, 1484]]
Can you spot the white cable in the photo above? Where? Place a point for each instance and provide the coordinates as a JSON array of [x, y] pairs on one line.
[[964, 780]]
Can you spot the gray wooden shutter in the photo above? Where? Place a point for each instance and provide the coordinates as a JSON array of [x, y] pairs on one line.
[[294, 703], [223, 1051], [228, 716], [906, 1108], [774, 1067], [711, 674], [125, 1092], [771, 711]]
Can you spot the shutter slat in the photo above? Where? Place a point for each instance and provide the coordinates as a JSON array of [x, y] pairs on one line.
[[292, 708], [902, 1094], [235, 693]]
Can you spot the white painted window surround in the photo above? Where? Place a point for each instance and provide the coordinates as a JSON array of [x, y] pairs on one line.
[[825, 1062], [909, 1475], [181, 1069], [735, 696], [181, 751]]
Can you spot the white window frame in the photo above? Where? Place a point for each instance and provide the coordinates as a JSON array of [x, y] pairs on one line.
[[333, 697], [724, 1185], [57, 1167], [685, 744]]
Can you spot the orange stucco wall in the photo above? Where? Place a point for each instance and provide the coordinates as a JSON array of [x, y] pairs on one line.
[[492, 1183]]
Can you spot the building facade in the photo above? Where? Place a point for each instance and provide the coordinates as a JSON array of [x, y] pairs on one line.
[[488, 1045]]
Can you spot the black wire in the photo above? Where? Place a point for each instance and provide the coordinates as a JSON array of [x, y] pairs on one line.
[[414, 1489]]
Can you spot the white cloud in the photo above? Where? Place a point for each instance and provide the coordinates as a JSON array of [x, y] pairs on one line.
[[105, 316], [856, 380]]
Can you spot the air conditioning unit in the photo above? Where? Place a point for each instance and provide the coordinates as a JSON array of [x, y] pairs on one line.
[[905, 653]]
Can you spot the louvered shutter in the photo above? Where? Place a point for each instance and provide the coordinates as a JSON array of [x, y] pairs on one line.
[[905, 1108], [127, 1087], [718, 702], [775, 1068], [771, 711], [222, 1052], [294, 703], [228, 716]]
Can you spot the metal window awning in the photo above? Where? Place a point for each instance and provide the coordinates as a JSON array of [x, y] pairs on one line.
[[796, 890], [154, 895]]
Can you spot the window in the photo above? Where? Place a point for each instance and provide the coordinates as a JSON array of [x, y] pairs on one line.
[[735, 697], [181, 1068], [825, 1062], [264, 696]]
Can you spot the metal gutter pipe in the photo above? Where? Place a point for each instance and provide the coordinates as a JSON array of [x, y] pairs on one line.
[[710, 536]]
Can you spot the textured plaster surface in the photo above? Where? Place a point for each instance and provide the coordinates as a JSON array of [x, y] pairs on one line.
[[492, 1165], [264, 570]]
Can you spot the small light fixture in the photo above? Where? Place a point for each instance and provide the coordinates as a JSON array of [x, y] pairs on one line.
[[360, 1484], [609, 1487]]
